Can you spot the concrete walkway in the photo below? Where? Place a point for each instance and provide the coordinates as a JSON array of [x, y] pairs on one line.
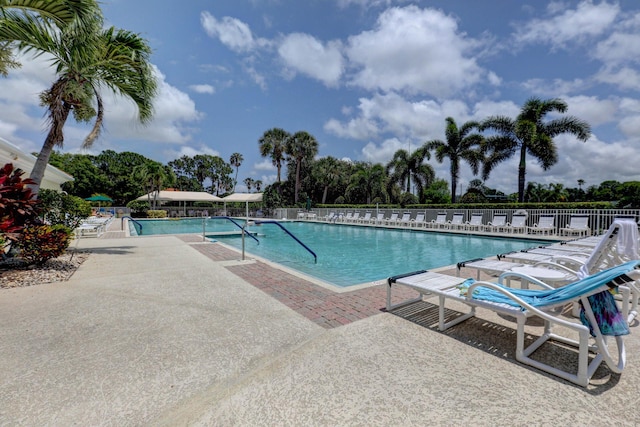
[[153, 331]]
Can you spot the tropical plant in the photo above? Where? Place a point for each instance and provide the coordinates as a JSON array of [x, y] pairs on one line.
[[460, 144], [154, 176], [258, 185], [272, 144], [368, 178], [301, 147], [63, 209], [50, 15], [86, 57], [236, 160], [404, 166], [39, 243], [326, 172], [18, 207], [249, 182], [529, 134]]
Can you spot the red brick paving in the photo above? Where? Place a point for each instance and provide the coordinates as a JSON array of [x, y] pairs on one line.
[[318, 304]]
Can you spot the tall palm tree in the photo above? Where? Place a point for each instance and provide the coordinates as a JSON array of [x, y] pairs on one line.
[[155, 177], [368, 178], [403, 167], [48, 14], [301, 147], [460, 144], [327, 172], [87, 57], [236, 160], [529, 134], [272, 144], [249, 182]]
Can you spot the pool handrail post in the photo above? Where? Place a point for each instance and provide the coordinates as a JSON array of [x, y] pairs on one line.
[[315, 257]]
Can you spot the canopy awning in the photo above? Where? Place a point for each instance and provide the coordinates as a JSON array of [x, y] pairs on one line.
[[181, 196], [243, 197]]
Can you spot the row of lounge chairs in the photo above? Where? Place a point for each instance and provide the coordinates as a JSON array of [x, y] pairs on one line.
[[593, 267], [93, 226], [578, 225]]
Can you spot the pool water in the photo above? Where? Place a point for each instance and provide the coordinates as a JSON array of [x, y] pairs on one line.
[[350, 255]]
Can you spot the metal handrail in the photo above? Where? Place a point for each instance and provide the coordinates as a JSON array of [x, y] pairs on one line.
[[315, 257], [237, 225], [132, 220]]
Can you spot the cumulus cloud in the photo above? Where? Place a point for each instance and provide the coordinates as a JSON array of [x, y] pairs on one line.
[[565, 26], [265, 165], [204, 88], [307, 55], [415, 51], [231, 32]]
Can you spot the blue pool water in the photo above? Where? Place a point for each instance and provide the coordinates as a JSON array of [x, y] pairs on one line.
[[349, 255]]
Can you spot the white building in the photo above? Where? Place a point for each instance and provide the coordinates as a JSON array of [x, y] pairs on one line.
[[53, 177]]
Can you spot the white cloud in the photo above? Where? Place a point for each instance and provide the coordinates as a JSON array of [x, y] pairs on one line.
[[231, 32], [173, 109], [586, 21], [384, 152], [190, 151], [265, 165], [203, 88], [307, 55], [625, 78], [415, 51], [593, 110]]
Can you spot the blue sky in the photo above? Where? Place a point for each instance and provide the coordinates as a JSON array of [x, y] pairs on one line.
[[366, 78]]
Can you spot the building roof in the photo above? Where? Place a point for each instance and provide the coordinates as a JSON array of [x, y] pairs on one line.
[[53, 177], [182, 196]]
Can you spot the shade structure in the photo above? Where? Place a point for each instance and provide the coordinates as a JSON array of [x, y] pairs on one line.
[[243, 197], [181, 196]]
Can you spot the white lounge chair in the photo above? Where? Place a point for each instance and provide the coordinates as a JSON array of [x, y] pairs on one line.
[[456, 222], [392, 219], [518, 224], [475, 223], [523, 304], [418, 221], [329, 217], [497, 224], [354, 218], [366, 219], [578, 225], [545, 225], [405, 220], [379, 219], [439, 222]]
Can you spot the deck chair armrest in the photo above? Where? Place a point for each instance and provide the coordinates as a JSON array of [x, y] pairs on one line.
[[531, 280], [554, 265]]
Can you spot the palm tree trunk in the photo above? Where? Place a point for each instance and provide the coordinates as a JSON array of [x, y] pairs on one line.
[[324, 194], [54, 137], [295, 197], [522, 170], [454, 181]]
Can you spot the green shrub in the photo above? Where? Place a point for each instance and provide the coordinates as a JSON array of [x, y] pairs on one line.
[[156, 214], [39, 243], [64, 209]]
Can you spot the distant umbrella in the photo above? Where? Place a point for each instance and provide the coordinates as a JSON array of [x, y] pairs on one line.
[[99, 198]]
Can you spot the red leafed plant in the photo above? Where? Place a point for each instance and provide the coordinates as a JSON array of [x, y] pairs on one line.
[[18, 207]]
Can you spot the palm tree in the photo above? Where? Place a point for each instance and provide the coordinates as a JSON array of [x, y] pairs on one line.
[[460, 144], [236, 160], [327, 172], [272, 144], [249, 182], [301, 147], [154, 176], [403, 167], [87, 57], [368, 178], [58, 14], [530, 135], [258, 185]]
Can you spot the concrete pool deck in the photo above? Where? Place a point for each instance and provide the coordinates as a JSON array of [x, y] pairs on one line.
[[168, 330]]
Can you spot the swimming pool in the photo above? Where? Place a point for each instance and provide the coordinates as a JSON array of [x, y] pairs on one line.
[[350, 255]]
